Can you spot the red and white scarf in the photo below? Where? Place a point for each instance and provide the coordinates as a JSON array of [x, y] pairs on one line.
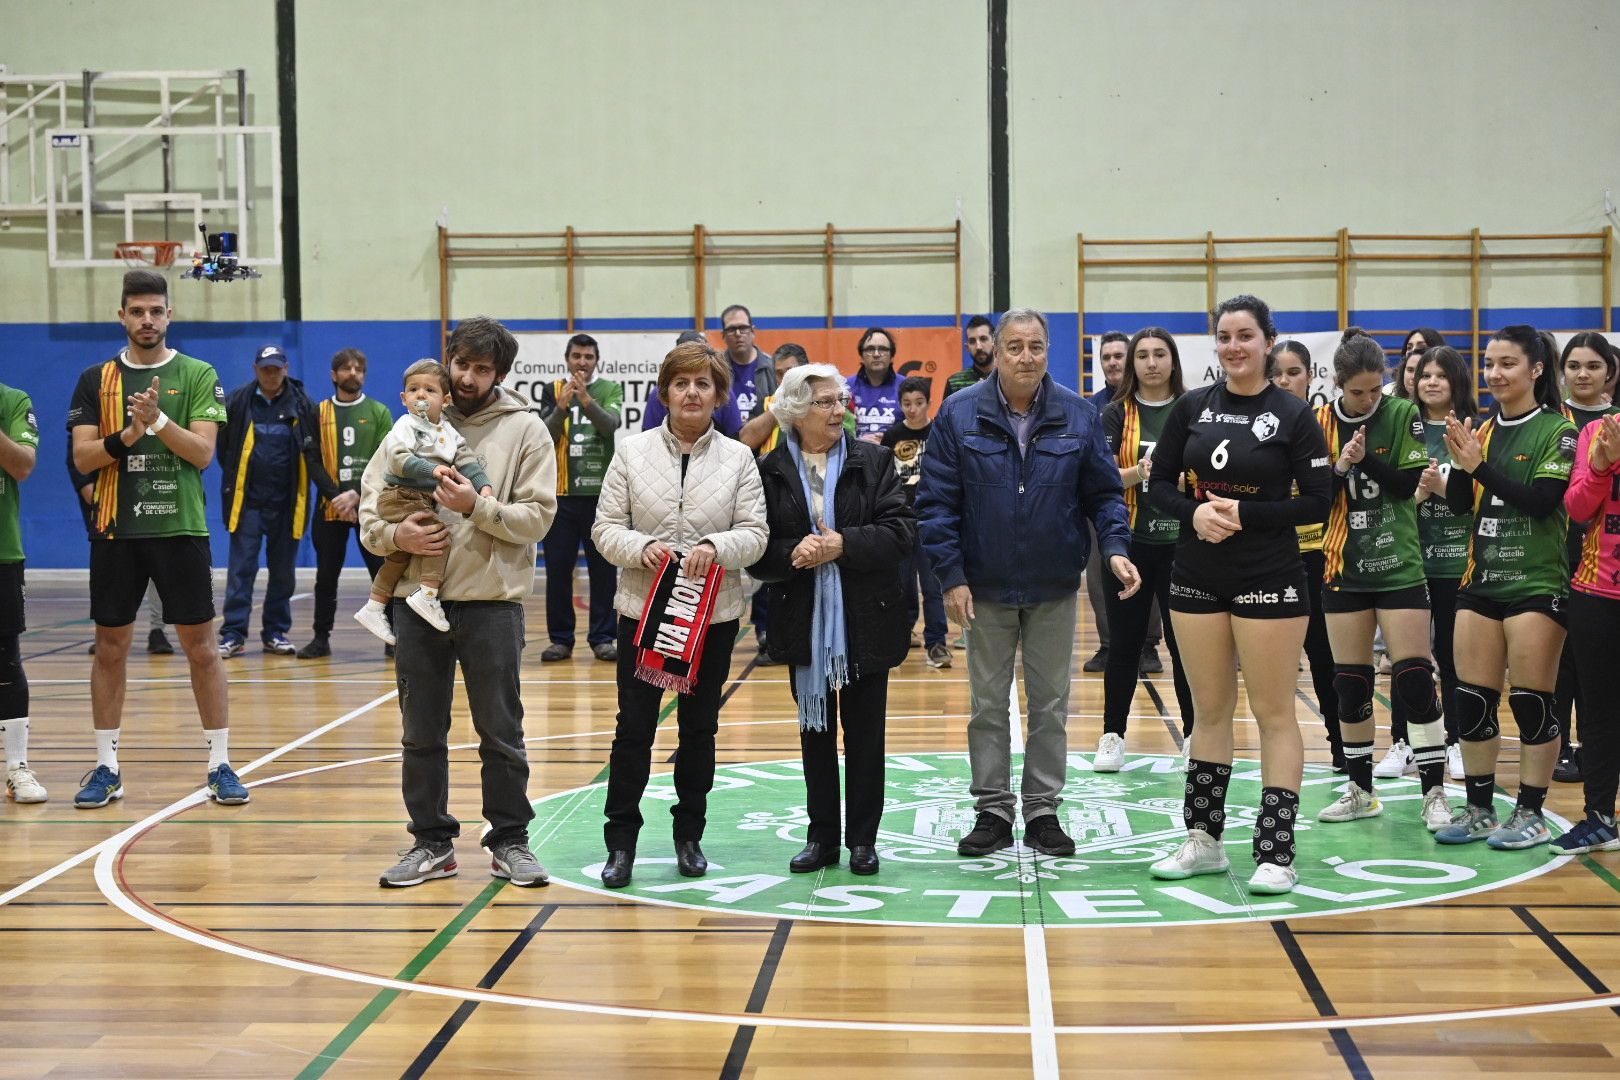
[[675, 624]]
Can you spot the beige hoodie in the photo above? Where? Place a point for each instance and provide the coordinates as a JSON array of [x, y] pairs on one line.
[[492, 550]]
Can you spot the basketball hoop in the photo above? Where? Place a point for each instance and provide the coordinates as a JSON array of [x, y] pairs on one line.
[[148, 252]]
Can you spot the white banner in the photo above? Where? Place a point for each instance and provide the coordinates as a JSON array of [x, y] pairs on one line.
[[631, 360]]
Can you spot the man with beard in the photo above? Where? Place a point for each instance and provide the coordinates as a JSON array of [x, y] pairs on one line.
[[980, 351]]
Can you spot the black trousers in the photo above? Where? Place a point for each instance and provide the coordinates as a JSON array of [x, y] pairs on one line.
[[698, 717], [1128, 625], [1443, 614], [331, 540], [1594, 627], [862, 707], [1318, 653], [569, 529]]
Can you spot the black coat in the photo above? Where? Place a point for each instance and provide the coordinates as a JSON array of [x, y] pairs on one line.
[[879, 533]]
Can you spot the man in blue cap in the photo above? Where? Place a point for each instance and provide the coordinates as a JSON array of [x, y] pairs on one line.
[[269, 454]]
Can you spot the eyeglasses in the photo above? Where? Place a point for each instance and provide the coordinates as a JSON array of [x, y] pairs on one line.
[[877, 350], [739, 328], [828, 404]]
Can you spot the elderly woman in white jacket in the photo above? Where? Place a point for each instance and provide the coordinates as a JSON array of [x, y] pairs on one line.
[[681, 487]]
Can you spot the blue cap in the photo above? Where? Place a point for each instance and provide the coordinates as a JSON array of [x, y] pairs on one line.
[[270, 356]]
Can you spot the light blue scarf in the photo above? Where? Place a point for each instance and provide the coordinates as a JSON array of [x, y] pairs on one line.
[[829, 654]]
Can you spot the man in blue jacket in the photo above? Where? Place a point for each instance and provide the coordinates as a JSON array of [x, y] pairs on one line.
[[1016, 467]]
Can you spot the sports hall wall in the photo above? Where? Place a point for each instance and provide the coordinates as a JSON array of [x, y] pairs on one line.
[[1161, 119]]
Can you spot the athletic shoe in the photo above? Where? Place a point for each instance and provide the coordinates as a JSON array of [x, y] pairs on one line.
[[430, 609], [22, 786], [1186, 753], [1046, 836], [517, 864], [1150, 663], [1454, 763], [1397, 761], [101, 786], [1436, 808], [991, 832], [1097, 663], [1568, 769], [1383, 666], [388, 651], [554, 652], [916, 639], [377, 623], [961, 641], [229, 647], [1200, 853], [224, 788], [1525, 828], [1272, 880], [278, 644], [1467, 825], [318, 647], [1110, 755], [157, 642], [1588, 835], [423, 862], [939, 655], [606, 651], [1353, 805]]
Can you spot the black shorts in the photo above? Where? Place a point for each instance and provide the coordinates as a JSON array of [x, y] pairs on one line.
[[1274, 596], [1555, 606], [180, 566], [11, 599], [1342, 602]]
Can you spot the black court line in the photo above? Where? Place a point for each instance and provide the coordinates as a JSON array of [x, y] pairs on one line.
[[737, 1057], [748, 669], [1571, 961], [430, 1053], [1309, 704], [1342, 1039], [1164, 713]]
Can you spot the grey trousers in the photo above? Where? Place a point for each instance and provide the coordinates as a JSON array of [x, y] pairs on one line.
[[1046, 632]]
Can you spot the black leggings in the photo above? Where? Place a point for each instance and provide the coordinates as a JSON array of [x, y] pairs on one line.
[[13, 680], [1318, 653], [1594, 626], [1128, 629], [1443, 624]]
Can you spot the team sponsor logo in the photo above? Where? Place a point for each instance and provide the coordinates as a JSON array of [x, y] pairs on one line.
[[31, 419], [1488, 526], [1567, 443], [219, 392], [154, 508], [1206, 417], [1290, 595], [1611, 524], [1265, 426], [1257, 596], [1416, 454], [1187, 591], [157, 487], [1358, 520], [1228, 418], [1121, 823], [1320, 462]]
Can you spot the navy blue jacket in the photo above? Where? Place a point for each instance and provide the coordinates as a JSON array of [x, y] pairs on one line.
[[1012, 523]]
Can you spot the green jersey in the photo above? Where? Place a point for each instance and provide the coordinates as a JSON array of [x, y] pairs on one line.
[[351, 432], [582, 465], [1511, 555], [153, 492], [1371, 543], [1444, 532], [17, 420], [963, 379], [1132, 429]]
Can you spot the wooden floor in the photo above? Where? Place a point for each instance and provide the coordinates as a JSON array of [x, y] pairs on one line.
[[165, 937]]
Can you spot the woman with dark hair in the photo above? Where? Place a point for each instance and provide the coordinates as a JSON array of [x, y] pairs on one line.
[[1373, 578], [874, 390], [1416, 344], [1445, 387], [1290, 368], [1131, 422], [1512, 473], [1237, 588]]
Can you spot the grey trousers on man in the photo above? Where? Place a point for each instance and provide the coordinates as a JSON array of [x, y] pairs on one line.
[[1046, 632]]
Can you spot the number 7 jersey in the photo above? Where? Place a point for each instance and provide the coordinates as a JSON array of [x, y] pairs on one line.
[[1372, 542]]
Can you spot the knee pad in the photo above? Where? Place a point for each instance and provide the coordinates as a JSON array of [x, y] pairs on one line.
[[1411, 684], [1533, 712], [1354, 685], [1476, 712]]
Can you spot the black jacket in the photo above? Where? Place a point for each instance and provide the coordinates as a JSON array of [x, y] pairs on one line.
[[879, 533], [236, 450]]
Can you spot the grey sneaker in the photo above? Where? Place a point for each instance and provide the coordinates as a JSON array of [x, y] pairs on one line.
[[1467, 825], [423, 862], [517, 864], [1525, 828]]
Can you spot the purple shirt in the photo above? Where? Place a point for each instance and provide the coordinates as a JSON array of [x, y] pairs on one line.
[[876, 408], [726, 417]]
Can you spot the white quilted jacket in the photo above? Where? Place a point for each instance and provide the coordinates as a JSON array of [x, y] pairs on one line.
[[643, 499]]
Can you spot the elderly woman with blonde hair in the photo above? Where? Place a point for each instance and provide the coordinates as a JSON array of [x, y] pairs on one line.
[[840, 530]]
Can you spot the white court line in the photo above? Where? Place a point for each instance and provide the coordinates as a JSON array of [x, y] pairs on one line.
[[114, 842], [1037, 977]]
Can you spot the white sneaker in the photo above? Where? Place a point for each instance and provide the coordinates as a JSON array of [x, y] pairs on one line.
[[1382, 666], [1397, 761], [23, 786], [1353, 804], [430, 609], [376, 622], [1110, 755], [1436, 809], [1454, 765], [1272, 880], [1200, 853], [1186, 754]]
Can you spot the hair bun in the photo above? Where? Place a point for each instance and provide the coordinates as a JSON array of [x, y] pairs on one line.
[[1352, 333]]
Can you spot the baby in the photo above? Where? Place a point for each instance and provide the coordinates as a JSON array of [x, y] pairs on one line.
[[419, 451]]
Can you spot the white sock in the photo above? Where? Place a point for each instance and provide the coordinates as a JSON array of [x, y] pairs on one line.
[[16, 731], [373, 605], [107, 747], [219, 747], [429, 591]]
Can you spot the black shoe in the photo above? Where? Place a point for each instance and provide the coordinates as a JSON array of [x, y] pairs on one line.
[[814, 857], [1568, 769], [764, 659], [1097, 663], [1340, 766], [1151, 664], [606, 651], [388, 652], [689, 859], [863, 859], [1046, 836], [157, 643], [317, 648], [92, 649], [616, 871], [991, 832], [555, 652]]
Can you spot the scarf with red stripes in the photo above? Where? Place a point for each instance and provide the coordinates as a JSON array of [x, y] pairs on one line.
[[675, 624]]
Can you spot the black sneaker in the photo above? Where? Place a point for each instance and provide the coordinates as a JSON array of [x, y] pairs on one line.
[[157, 643], [318, 647], [991, 832], [1568, 769], [1046, 836], [1097, 663], [1151, 664]]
